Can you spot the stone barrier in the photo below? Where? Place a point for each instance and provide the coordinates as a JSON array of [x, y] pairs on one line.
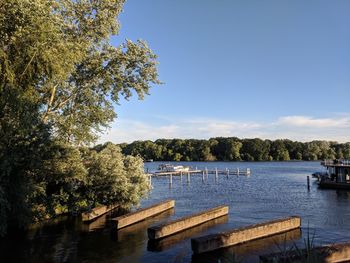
[[142, 214], [167, 229], [244, 234]]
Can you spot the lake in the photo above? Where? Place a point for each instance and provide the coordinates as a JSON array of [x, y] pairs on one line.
[[273, 190]]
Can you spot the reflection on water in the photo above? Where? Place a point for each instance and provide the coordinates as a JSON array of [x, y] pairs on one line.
[[274, 190]]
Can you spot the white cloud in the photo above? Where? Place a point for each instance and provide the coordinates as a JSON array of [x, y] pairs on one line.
[[301, 128], [305, 121]]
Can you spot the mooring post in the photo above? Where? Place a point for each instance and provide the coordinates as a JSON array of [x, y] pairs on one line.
[[237, 171], [248, 171], [216, 172], [203, 176], [188, 177], [228, 172], [181, 176], [171, 179], [308, 183]]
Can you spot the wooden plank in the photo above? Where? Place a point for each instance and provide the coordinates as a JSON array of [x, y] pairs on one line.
[[181, 224], [142, 214], [244, 234]]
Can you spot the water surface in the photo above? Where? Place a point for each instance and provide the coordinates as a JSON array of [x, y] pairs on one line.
[[274, 190]]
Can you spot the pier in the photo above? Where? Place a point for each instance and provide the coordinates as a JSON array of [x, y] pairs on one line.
[[236, 171]]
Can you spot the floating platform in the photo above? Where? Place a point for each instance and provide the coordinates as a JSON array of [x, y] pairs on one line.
[[172, 227], [244, 234], [142, 214]]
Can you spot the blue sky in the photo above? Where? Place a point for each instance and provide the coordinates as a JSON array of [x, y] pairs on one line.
[[269, 69]]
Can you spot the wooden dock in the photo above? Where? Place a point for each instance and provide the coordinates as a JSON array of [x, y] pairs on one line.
[[237, 171], [197, 172]]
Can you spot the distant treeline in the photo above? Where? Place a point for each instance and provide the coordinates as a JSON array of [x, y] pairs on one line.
[[235, 149]]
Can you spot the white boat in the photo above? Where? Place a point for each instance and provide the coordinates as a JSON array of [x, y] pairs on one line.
[[172, 168]]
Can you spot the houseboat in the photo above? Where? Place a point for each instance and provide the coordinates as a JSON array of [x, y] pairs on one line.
[[338, 174]]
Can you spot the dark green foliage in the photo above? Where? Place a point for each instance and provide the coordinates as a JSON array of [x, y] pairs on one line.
[[235, 149], [59, 79]]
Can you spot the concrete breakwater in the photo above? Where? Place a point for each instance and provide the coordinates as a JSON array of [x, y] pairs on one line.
[[142, 214], [96, 212], [172, 227], [244, 234]]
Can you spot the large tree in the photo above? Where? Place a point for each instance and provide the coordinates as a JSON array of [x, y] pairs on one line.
[[58, 52], [60, 78]]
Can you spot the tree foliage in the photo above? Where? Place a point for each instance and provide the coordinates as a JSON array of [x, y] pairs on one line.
[[59, 81], [235, 149]]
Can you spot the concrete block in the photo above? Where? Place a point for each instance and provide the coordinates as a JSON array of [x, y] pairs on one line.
[[142, 214], [184, 223], [244, 234]]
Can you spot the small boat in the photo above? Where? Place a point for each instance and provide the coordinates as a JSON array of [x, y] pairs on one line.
[[172, 168], [338, 174]]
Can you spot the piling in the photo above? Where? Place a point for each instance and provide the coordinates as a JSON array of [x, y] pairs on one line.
[[237, 171], [172, 227], [181, 175], [244, 234], [171, 179], [142, 214], [228, 172], [308, 182], [188, 177], [203, 176]]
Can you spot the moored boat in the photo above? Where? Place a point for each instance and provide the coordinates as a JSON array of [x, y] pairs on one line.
[[338, 172], [172, 168]]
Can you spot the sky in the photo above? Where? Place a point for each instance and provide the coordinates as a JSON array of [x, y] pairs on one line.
[[246, 68]]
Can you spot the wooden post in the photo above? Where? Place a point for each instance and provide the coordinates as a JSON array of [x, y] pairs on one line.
[[216, 172], [237, 171], [171, 179], [188, 177], [228, 172], [308, 183], [181, 175], [248, 172], [203, 176]]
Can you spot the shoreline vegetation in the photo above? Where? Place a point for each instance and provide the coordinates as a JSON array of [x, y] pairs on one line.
[[60, 79], [234, 149]]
